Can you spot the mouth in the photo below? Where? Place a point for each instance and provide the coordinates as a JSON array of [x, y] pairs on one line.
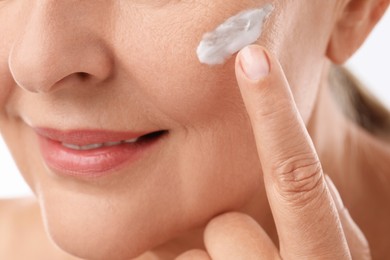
[[94, 153], [94, 146]]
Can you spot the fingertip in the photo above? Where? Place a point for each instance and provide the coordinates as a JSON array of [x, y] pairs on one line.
[[254, 63]]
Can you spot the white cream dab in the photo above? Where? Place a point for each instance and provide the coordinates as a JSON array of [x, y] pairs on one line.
[[231, 36]]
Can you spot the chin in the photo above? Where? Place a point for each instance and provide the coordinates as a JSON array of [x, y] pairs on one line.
[[104, 252], [89, 239], [94, 228]]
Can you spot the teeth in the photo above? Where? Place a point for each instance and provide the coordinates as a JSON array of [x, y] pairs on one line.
[[111, 143], [95, 146], [82, 147], [130, 141], [90, 146], [72, 146]]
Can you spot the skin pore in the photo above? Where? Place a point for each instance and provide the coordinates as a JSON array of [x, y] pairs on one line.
[[92, 65]]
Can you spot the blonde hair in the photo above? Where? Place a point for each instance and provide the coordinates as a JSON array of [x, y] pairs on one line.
[[358, 104]]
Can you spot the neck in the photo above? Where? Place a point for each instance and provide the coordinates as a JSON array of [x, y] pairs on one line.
[[357, 162], [349, 154]]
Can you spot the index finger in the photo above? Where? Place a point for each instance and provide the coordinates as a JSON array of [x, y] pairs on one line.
[[306, 218]]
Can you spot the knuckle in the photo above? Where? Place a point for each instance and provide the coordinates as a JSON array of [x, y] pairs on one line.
[[299, 179]]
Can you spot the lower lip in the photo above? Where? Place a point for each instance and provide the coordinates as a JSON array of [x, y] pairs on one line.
[[92, 163]]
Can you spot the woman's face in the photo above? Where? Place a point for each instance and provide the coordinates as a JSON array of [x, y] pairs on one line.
[[131, 66]]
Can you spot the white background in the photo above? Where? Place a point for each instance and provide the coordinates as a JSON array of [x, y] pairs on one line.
[[371, 63]]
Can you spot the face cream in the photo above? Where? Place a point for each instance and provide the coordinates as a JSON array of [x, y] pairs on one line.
[[231, 36]]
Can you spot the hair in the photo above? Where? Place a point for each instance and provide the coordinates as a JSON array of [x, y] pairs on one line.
[[358, 104]]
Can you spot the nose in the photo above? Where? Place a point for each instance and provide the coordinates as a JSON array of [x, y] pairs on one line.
[[60, 41]]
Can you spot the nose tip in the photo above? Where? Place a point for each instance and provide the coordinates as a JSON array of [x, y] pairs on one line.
[[45, 54], [39, 70], [31, 71], [42, 73]]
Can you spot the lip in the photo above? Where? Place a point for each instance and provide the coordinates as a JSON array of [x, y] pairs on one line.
[[95, 162]]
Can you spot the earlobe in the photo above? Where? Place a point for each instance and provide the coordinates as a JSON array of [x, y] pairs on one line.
[[356, 21]]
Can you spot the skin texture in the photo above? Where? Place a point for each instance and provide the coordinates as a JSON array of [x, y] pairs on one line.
[[122, 65]]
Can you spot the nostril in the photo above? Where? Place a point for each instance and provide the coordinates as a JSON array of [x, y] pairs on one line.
[[83, 75]]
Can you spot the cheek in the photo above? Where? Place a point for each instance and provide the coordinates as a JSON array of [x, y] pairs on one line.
[[166, 69], [23, 147], [301, 47], [217, 150]]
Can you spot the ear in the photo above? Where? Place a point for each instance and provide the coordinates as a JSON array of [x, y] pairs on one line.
[[356, 21]]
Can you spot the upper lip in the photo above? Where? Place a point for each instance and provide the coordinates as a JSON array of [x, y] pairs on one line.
[[87, 136]]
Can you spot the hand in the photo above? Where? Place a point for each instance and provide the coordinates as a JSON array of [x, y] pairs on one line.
[[311, 224]]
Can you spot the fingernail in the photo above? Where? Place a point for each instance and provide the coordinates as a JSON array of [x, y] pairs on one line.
[[335, 194], [254, 62]]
